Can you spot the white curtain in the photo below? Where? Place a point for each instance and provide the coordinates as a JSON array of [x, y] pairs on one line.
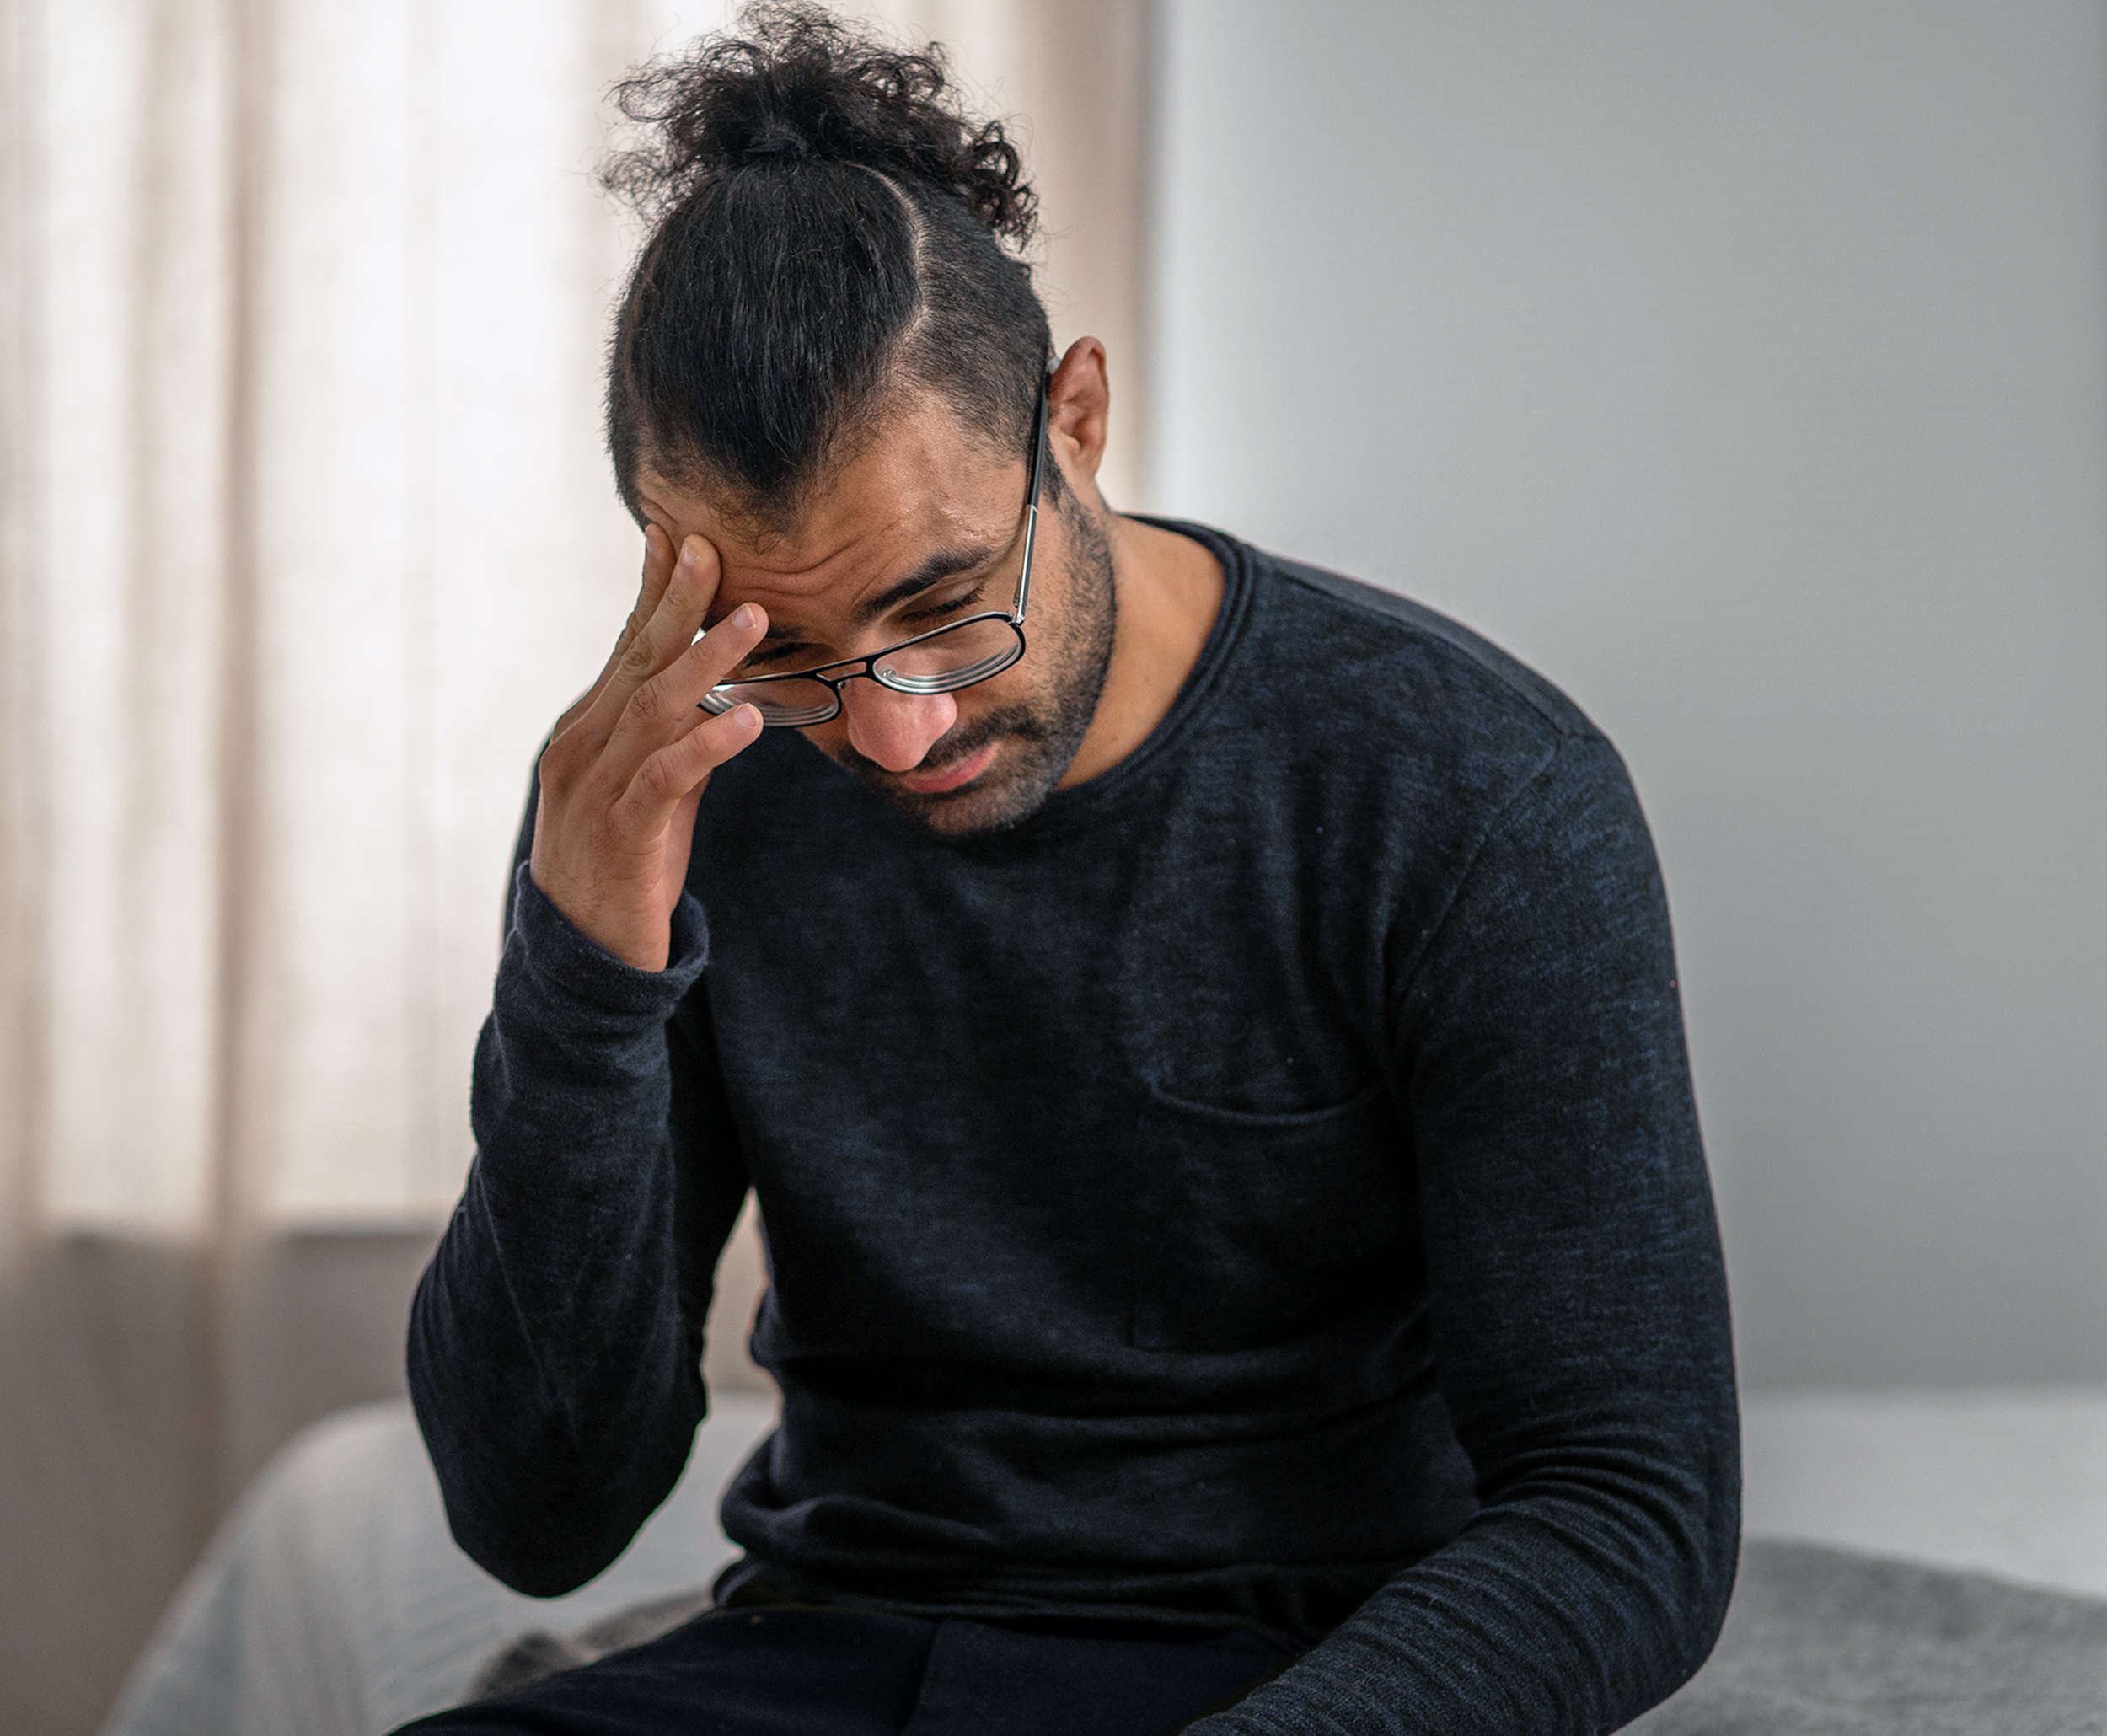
[[306, 536], [317, 529], [310, 536]]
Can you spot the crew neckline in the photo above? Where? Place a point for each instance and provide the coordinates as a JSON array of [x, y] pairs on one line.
[[1066, 809]]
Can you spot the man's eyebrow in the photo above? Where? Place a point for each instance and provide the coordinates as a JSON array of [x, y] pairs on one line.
[[933, 570]]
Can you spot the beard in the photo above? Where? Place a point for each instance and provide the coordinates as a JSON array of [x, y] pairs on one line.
[[1040, 735]]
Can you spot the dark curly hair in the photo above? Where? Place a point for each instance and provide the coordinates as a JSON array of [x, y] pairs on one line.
[[826, 227]]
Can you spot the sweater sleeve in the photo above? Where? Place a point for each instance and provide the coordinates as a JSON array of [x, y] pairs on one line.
[[555, 1339], [1579, 1304]]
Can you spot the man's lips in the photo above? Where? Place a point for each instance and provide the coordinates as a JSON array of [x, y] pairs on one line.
[[958, 773]]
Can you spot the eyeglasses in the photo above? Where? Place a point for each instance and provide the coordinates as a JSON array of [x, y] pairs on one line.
[[955, 655]]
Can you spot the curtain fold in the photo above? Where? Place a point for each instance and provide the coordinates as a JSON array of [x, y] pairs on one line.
[[306, 536], [319, 536]]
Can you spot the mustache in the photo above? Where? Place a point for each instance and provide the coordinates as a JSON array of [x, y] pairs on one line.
[[961, 742]]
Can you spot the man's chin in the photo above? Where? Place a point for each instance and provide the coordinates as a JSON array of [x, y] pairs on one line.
[[990, 803], [1013, 787]]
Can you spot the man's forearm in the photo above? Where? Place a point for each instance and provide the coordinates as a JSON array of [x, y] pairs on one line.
[[1577, 1298], [1564, 1615], [552, 1361]]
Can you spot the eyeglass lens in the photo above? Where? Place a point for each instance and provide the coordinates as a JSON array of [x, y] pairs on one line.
[[945, 662]]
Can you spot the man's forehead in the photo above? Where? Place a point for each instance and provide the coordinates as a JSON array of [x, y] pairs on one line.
[[920, 486]]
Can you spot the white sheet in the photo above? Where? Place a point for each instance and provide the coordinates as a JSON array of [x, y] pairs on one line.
[[2005, 1480], [332, 1603]]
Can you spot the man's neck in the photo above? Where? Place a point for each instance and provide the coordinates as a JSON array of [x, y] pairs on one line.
[[1170, 590]]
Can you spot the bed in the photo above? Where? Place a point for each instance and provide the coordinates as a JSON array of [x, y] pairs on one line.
[[1919, 1561]]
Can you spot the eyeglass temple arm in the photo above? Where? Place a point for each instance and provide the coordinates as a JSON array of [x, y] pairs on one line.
[[1032, 502]]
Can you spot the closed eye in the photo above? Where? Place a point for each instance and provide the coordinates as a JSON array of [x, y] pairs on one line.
[[791, 654], [931, 614], [779, 654]]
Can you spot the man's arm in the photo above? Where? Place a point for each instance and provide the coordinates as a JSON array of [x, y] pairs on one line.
[[555, 1338], [1579, 1304]]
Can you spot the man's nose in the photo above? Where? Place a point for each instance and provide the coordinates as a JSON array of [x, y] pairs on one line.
[[896, 730]]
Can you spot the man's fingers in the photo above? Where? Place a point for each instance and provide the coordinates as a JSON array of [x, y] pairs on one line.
[[660, 557], [684, 599], [647, 696], [690, 587], [658, 568], [676, 770], [665, 704]]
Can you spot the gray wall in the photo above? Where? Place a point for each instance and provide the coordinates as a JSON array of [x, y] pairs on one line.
[[1739, 366]]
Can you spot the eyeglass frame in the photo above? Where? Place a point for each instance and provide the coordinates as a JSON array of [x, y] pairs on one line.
[[1014, 616]]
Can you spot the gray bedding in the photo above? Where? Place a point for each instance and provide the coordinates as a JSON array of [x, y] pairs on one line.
[[1828, 1642], [332, 1604], [1818, 1642]]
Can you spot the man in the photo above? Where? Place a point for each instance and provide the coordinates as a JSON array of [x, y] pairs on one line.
[[1203, 1034]]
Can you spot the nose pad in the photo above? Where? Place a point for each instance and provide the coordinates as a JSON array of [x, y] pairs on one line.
[[895, 730]]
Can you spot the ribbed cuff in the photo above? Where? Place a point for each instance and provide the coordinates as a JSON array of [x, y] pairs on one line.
[[566, 962]]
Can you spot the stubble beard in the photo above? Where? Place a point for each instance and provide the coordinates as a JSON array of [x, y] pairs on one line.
[[1040, 738]]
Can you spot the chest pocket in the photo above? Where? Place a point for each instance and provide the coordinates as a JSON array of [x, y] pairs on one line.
[[1252, 1230]]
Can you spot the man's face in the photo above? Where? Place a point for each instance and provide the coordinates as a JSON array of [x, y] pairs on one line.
[[925, 525]]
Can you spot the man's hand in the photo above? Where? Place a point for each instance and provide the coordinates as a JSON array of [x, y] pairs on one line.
[[623, 773]]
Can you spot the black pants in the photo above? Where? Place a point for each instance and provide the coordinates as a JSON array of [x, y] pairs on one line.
[[807, 1672]]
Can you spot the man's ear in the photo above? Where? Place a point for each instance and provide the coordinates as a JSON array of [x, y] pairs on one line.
[[1079, 412]]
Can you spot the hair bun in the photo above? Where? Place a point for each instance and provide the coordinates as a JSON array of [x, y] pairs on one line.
[[797, 86]]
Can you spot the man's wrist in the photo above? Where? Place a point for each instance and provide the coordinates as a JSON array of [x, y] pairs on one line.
[[547, 944]]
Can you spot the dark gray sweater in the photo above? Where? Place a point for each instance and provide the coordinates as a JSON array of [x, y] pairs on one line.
[[1262, 1187]]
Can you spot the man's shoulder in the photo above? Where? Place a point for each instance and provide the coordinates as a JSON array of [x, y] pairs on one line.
[[1315, 643], [1416, 733], [1401, 651]]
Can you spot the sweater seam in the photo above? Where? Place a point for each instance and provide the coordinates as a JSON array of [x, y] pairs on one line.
[[1300, 575], [1409, 979]]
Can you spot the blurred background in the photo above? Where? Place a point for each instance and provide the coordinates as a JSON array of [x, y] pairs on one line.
[[1741, 365]]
